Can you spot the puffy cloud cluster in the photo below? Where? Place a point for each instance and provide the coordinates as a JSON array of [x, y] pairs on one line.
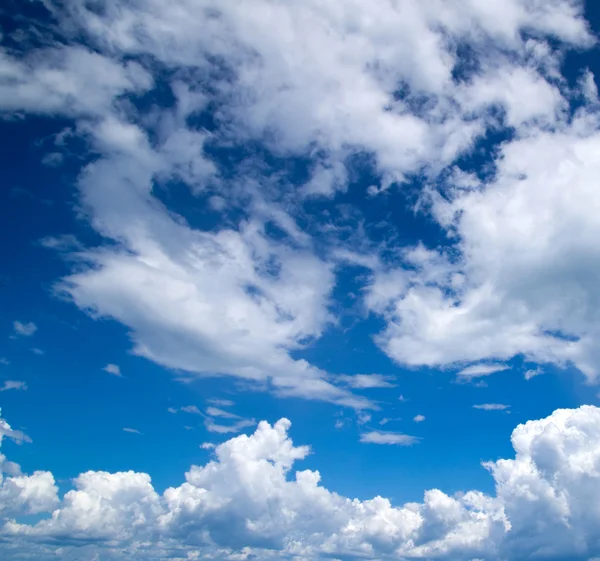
[[411, 84], [23, 494], [526, 279], [249, 503]]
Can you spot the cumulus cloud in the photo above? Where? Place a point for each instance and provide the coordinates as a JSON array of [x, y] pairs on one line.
[[419, 418], [249, 501]]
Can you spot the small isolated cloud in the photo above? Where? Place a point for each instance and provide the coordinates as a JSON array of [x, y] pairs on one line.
[[211, 426], [479, 370], [402, 398], [187, 427], [133, 431], [387, 420], [220, 402], [113, 369], [13, 385], [532, 373], [419, 418], [25, 329], [191, 409], [363, 418], [339, 424], [216, 412], [492, 406], [380, 437], [207, 446], [36, 351], [4, 361], [366, 381], [172, 410]]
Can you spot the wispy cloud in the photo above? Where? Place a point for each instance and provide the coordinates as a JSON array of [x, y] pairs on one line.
[[380, 437], [220, 402], [480, 370], [24, 329], [532, 373], [133, 431], [492, 406], [191, 409], [216, 412], [211, 426], [366, 381], [13, 385]]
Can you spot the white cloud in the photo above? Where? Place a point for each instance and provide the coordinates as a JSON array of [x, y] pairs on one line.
[[318, 80], [112, 369], [207, 446], [248, 500], [380, 437], [479, 370], [191, 409], [24, 329], [13, 385], [172, 410], [365, 381], [221, 402], [532, 373], [492, 406], [419, 418], [216, 412], [211, 426], [133, 431]]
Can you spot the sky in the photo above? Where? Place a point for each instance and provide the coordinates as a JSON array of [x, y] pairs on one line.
[[299, 280]]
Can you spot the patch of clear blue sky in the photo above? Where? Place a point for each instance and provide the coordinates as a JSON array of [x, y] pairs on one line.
[[75, 412]]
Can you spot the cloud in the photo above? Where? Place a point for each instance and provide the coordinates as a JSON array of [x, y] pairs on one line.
[[113, 369], [380, 437], [211, 426], [220, 402], [216, 412], [492, 406], [207, 446], [172, 410], [13, 385], [191, 409], [24, 329], [480, 370], [532, 373], [37, 351], [365, 381], [133, 431], [248, 500], [376, 78], [419, 418]]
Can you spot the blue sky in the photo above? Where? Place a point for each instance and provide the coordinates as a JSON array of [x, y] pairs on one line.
[[375, 220]]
